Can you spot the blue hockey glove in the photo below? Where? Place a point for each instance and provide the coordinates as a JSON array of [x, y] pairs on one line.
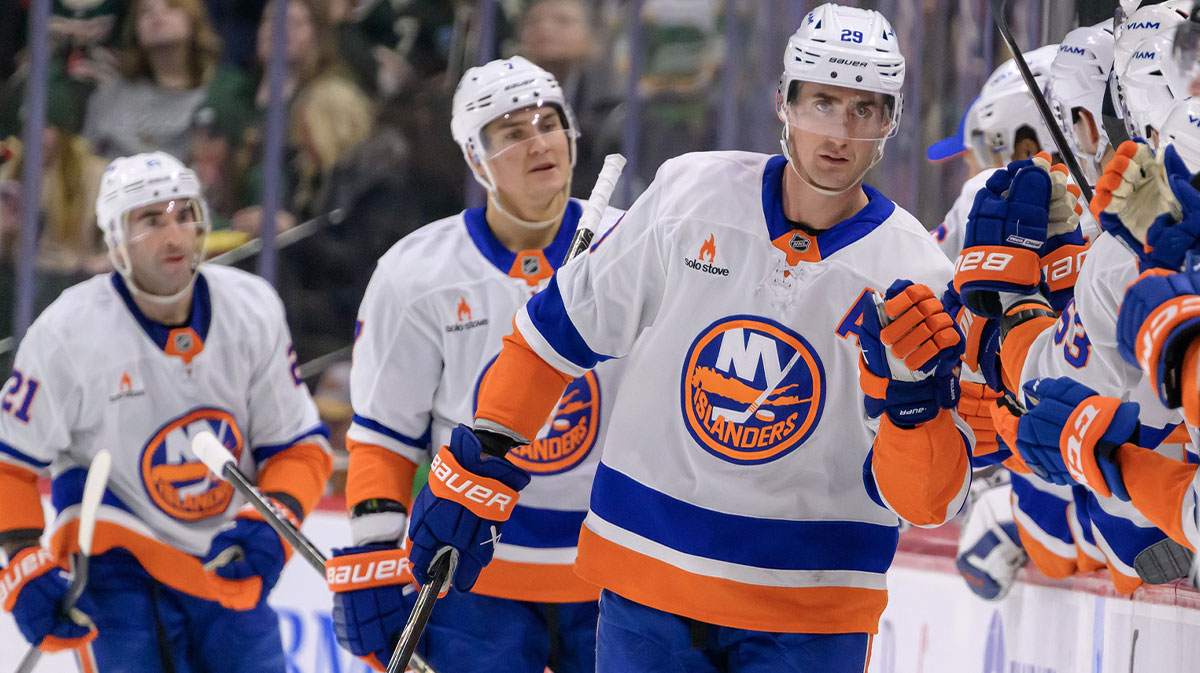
[[373, 595], [989, 547], [1158, 320], [1005, 234], [249, 547], [469, 496], [981, 339], [32, 588], [909, 367], [1070, 435]]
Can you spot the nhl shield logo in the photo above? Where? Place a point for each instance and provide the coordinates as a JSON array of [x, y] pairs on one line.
[[183, 341], [799, 242], [531, 266]]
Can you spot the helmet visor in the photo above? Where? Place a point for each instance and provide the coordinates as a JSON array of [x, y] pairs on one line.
[[840, 112], [539, 127], [1184, 63], [186, 217]]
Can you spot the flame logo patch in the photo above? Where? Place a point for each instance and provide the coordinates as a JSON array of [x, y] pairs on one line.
[[568, 435], [752, 390], [175, 480]]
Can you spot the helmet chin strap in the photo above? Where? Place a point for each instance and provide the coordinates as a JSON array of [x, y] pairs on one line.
[[489, 183], [824, 191]]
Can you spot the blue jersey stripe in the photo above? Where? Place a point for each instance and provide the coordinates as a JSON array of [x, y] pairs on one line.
[[549, 316], [66, 490], [1046, 510], [23, 457], [421, 442], [543, 528], [761, 543], [266, 451]]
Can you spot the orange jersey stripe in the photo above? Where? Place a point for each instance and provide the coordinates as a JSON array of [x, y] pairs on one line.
[[920, 470], [1046, 561], [1016, 346], [1191, 384], [725, 602], [20, 504], [534, 582], [173, 567], [521, 389], [300, 471], [377, 473], [1157, 486]]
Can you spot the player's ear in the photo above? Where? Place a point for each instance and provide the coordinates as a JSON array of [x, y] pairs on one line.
[[1089, 123], [1026, 148]]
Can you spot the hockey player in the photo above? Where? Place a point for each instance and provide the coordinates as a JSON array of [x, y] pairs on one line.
[[429, 329], [745, 509], [137, 362]]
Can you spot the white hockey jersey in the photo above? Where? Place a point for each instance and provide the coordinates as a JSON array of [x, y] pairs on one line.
[[735, 486], [429, 328], [951, 232], [94, 373]]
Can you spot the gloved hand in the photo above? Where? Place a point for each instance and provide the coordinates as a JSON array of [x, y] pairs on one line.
[[461, 510], [373, 595], [249, 547], [1158, 320], [1006, 231], [909, 367], [32, 588], [1071, 433], [1174, 234], [981, 339], [989, 547], [1132, 193]]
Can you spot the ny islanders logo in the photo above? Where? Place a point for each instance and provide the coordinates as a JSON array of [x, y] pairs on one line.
[[752, 389], [178, 483], [568, 435]]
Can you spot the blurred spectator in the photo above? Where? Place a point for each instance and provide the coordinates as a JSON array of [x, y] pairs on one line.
[[69, 245], [562, 37], [169, 66], [236, 21], [330, 117], [369, 44], [215, 154], [83, 36], [312, 49]]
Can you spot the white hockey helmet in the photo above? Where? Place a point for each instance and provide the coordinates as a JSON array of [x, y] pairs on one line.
[[1078, 78], [490, 91], [1183, 65], [132, 182], [1145, 93], [846, 47], [1006, 111], [1181, 128]]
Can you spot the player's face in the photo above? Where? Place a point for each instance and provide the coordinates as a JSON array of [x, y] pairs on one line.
[[529, 154], [162, 240], [836, 132]]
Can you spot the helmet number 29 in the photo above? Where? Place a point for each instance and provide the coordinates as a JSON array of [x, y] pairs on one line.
[[855, 36]]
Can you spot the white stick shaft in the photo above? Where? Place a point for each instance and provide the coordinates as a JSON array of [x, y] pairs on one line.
[[93, 493], [593, 210]]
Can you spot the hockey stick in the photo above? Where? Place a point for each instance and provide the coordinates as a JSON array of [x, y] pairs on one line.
[[217, 458], [93, 492], [593, 210], [1039, 99], [442, 567]]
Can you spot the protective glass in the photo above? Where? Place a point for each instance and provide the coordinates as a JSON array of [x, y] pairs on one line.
[[149, 222], [839, 112], [1184, 64], [542, 124]]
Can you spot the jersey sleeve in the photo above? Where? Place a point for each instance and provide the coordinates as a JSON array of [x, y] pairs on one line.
[[395, 372], [41, 403], [282, 412], [595, 307]]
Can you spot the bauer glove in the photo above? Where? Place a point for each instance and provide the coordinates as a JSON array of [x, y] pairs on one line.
[[373, 595], [909, 366], [1006, 230], [1071, 434], [461, 510], [1159, 319], [32, 588], [249, 547]]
